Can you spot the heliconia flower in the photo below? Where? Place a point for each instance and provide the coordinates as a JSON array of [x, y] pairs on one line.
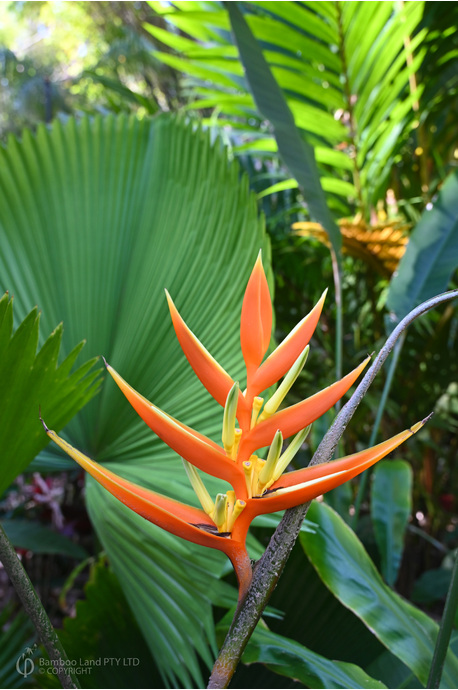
[[258, 486]]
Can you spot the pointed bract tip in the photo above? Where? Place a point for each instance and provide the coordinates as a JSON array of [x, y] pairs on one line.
[[104, 361], [416, 427], [258, 263], [170, 302], [42, 420]]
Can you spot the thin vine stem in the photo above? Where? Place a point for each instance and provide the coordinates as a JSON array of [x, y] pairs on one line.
[[34, 609], [270, 566]]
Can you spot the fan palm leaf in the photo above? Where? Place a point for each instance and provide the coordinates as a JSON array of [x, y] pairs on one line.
[[97, 217]]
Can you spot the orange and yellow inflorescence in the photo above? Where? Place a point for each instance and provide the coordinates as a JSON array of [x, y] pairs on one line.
[[250, 423]]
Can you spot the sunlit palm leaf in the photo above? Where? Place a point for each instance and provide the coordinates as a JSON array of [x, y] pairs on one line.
[[343, 67], [96, 219]]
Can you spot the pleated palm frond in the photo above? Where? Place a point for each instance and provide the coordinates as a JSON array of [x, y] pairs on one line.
[[381, 245], [344, 68], [97, 217]]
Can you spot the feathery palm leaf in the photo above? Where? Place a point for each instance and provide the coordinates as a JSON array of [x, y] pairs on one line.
[[344, 69]]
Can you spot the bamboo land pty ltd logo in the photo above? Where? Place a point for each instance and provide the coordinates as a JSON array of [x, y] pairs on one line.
[[26, 664]]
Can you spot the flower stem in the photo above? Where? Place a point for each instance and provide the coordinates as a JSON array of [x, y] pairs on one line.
[[34, 609], [270, 566]]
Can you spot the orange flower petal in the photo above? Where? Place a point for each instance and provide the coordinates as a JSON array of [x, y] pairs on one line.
[[256, 319], [294, 418], [194, 447], [284, 356], [173, 516], [211, 374], [313, 481]]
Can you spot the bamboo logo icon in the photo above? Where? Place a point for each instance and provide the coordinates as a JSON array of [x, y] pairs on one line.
[[25, 665]]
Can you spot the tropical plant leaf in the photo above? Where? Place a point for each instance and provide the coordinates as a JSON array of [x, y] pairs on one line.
[[308, 606], [30, 380], [97, 217], [342, 68], [26, 534], [391, 505], [431, 255], [346, 569], [297, 154], [103, 638], [293, 660]]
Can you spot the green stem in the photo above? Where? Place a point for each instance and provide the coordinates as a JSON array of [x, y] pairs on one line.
[[445, 630], [378, 418], [34, 609], [270, 566], [337, 275]]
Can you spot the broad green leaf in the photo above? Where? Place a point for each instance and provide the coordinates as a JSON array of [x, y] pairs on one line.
[[346, 569], [391, 505], [97, 217], [431, 255], [394, 673], [38, 538], [293, 660], [30, 380], [309, 607], [297, 154]]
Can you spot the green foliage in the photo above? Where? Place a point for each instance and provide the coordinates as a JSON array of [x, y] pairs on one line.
[[391, 505], [97, 217], [344, 566], [30, 380], [297, 154], [344, 69], [431, 256], [105, 632], [290, 659], [25, 534]]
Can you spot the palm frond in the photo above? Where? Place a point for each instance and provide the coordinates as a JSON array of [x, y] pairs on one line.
[[344, 69], [97, 217]]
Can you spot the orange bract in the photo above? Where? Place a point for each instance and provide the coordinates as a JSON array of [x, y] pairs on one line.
[[259, 486]]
